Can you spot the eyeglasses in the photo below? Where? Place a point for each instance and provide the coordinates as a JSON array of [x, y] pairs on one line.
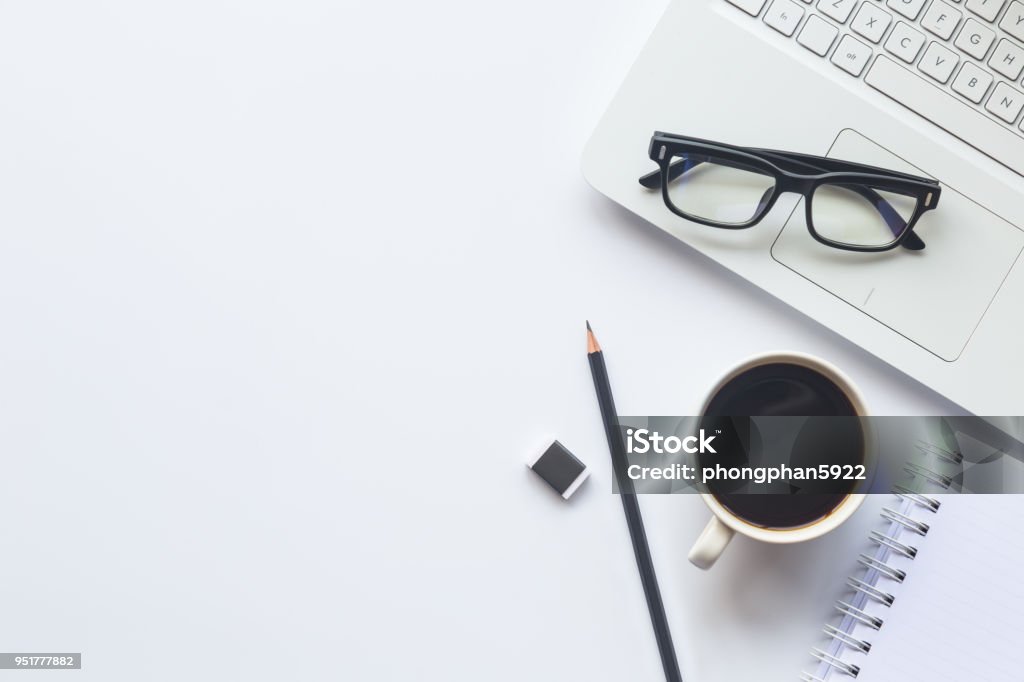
[[849, 206]]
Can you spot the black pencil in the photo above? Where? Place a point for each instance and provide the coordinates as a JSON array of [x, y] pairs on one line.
[[632, 509]]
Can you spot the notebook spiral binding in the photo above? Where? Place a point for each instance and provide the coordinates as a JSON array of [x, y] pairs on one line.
[[899, 520]]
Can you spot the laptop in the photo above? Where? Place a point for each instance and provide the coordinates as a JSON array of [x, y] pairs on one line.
[[930, 87]]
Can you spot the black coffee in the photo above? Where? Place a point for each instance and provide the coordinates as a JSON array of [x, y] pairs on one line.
[[783, 390]]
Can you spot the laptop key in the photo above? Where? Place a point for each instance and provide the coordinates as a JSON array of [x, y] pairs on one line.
[[783, 16], [751, 7], [908, 8], [941, 19], [1005, 102], [972, 82], [1008, 59], [938, 62], [905, 42], [1013, 20], [839, 10], [975, 39], [871, 22], [851, 56], [817, 35], [944, 110], [986, 9]]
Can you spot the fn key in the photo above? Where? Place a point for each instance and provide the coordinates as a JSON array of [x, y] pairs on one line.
[[851, 56]]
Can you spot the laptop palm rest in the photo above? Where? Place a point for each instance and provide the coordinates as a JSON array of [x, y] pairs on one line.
[[936, 297]]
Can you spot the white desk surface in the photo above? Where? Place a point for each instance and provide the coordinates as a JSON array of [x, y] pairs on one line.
[[290, 292]]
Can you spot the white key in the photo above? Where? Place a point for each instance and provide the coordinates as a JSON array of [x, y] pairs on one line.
[[941, 19], [905, 42], [986, 9], [975, 39], [1013, 20], [852, 55], [947, 112], [871, 22], [837, 9], [817, 35], [938, 62], [783, 16], [751, 7], [1005, 102], [1008, 59], [972, 82], [908, 8]]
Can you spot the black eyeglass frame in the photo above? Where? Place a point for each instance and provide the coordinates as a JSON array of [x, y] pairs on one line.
[[799, 173]]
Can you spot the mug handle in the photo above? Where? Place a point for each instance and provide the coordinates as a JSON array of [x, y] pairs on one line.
[[711, 543]]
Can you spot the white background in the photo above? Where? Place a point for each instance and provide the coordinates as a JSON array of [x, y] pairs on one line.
[[290, 292]]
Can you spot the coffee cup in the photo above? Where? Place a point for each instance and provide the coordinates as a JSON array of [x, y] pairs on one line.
[[785, 384]]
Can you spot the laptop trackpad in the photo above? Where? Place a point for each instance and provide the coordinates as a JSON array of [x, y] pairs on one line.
[[935, 297]]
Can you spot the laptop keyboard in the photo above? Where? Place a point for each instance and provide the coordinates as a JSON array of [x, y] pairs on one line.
[[958, 63]]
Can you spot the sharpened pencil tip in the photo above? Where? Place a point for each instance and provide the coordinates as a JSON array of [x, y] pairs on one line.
[[592, 345]]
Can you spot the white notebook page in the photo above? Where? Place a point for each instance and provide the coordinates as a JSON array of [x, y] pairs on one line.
[[958, 614]]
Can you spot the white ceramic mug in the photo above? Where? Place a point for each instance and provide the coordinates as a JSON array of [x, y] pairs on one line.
[[724, 524]]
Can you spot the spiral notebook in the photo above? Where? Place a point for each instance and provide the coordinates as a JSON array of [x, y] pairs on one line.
[[937, 595]]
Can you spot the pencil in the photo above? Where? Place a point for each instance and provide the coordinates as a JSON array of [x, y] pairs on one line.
[[632, 509]]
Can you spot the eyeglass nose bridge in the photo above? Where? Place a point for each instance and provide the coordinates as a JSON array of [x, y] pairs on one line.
[[796, 184]]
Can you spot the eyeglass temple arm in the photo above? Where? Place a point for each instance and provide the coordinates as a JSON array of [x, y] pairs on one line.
[[893, 219], [797, 162], [788, 159]]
